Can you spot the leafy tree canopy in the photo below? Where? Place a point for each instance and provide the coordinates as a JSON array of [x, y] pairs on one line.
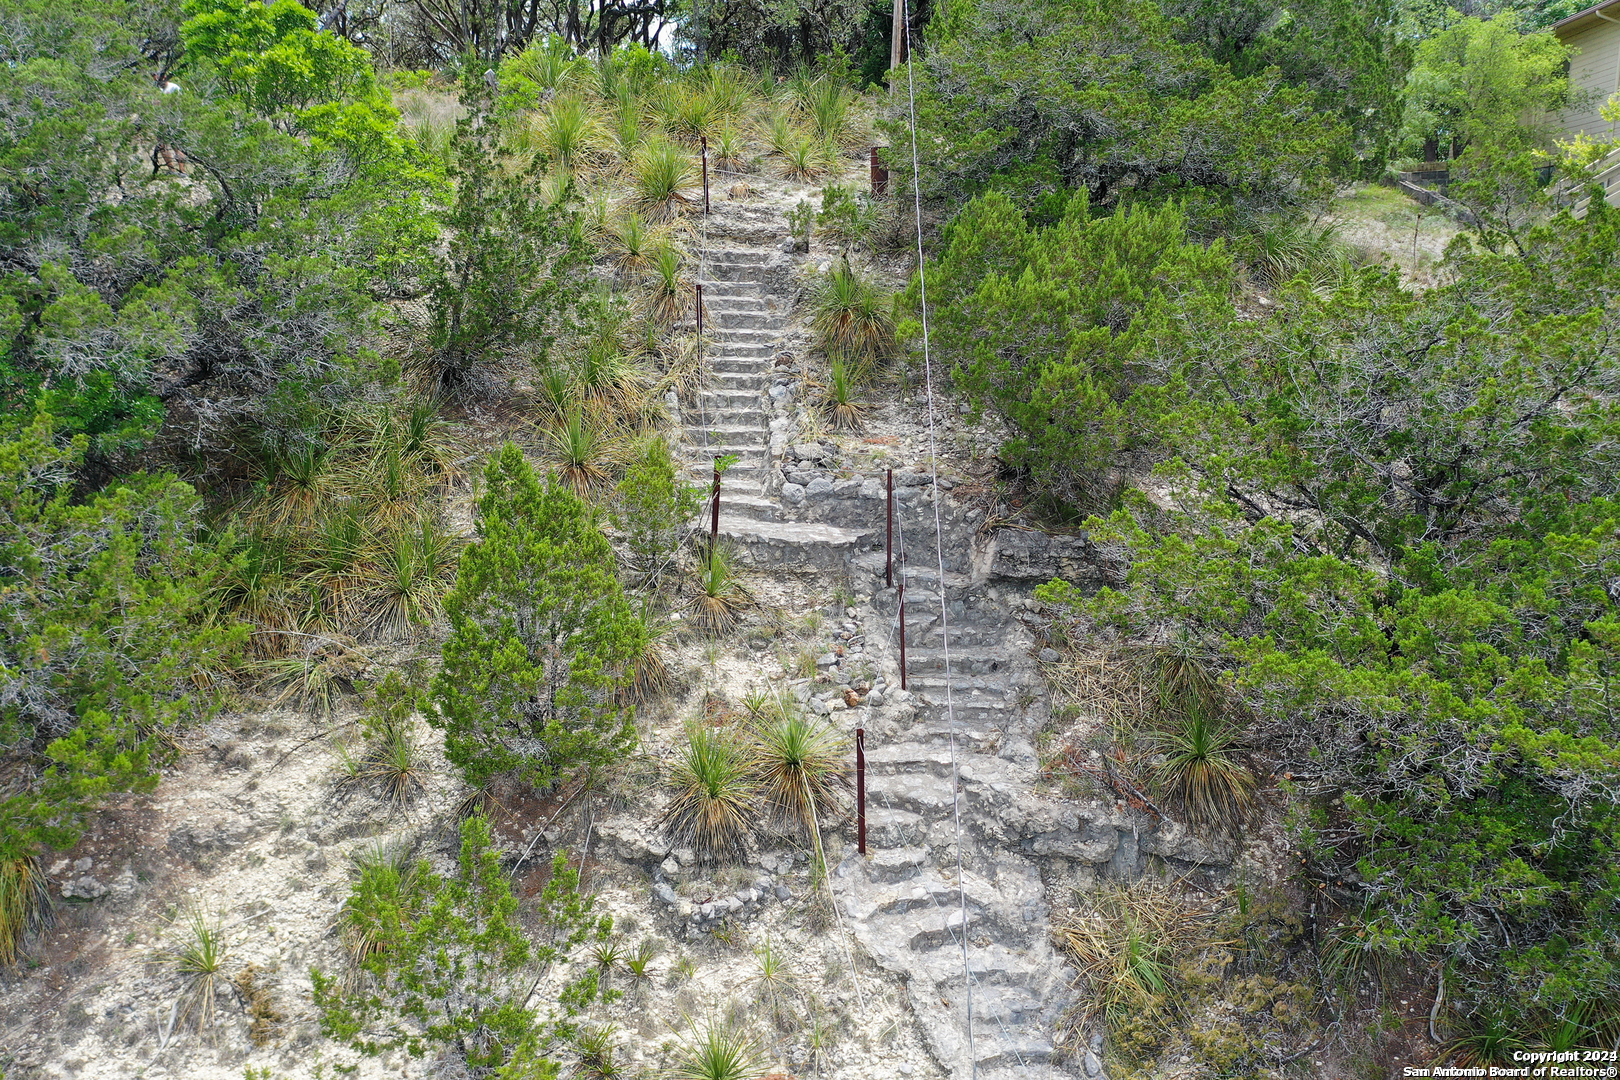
[[1061, 94]]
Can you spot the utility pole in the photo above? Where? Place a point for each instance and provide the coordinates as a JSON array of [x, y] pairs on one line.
[[897, 36]]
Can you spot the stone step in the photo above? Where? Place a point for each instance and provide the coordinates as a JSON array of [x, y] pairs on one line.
[[730, 362], [730, 397], [728, 435], [738, 256], [725, 287], [888, 827], [726, 336], [712, 415], [965, 658]]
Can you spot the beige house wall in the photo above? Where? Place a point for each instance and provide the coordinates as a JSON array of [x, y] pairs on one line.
[[1595, 69]]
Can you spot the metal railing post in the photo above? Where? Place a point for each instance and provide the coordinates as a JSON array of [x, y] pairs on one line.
[[860, 790]]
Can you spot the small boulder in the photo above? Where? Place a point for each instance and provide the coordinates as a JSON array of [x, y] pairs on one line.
[[793, 494], [84, 888], [1050, 656]]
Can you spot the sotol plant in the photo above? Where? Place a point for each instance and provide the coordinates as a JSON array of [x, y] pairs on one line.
[[715, 789]]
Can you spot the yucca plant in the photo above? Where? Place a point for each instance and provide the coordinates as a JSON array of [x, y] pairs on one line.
[[670, 295], [1204, 773], [631, 242], [570, 134], [394, 764], [661, 171], [316, 678], [583, 454], [688, 371], [802, 767], [629, 130], [595, 1046], [607, 380], [851, 317], [301, 481], [25, 904], [729, 148], [407, 576], [199, 958], [844, 411], [782, 133], [639, 963], [730, 89], [1286, 250], [715, 789], [826, 101], [718, 598], [718, 1052], [807, 159], [650, 674], [688, 111], [1124, 940]]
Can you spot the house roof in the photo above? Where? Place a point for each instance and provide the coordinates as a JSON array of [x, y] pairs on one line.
[[1590, 17]]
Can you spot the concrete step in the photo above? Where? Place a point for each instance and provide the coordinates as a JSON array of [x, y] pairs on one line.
[[965, 659], [725, 336]]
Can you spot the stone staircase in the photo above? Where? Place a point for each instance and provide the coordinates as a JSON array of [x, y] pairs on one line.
[[902, 900], [747, 298], [743, 327]]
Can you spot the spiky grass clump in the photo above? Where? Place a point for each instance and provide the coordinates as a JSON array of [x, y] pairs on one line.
[[661, 173], [595, 1046], [781, 132], [730, 148], [689, 112], [650, 675], [301, 481], [1204, 773], [1283, 251], [826, 101], [718, 596], [199, 958], [632, 242], [25, 904], [840, 402], [407, 577], [1124, 940], [802, 764], [670, 296], [718, 1052], [570, 134], [394, 764], [607, 381], [807, 159], [688, 371], [584, 455], [715, 790], [851, 316]]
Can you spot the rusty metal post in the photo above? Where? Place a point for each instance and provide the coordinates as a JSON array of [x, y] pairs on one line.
[[697, 289], [880, 175], [860, 790], [902, 631], [714, 512], [705, 140], [888, 539]]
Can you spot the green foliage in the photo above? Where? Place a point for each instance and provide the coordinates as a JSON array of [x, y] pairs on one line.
[[653, 510], [803, 769], [717, 597], [1487, 85], [452, 968], [1065, 94], [272, 56], [1397, 534], [108, 639], [851, 316], [718, 1052], [510, 283], [1063, 329], [199, 958], [540, 636]]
